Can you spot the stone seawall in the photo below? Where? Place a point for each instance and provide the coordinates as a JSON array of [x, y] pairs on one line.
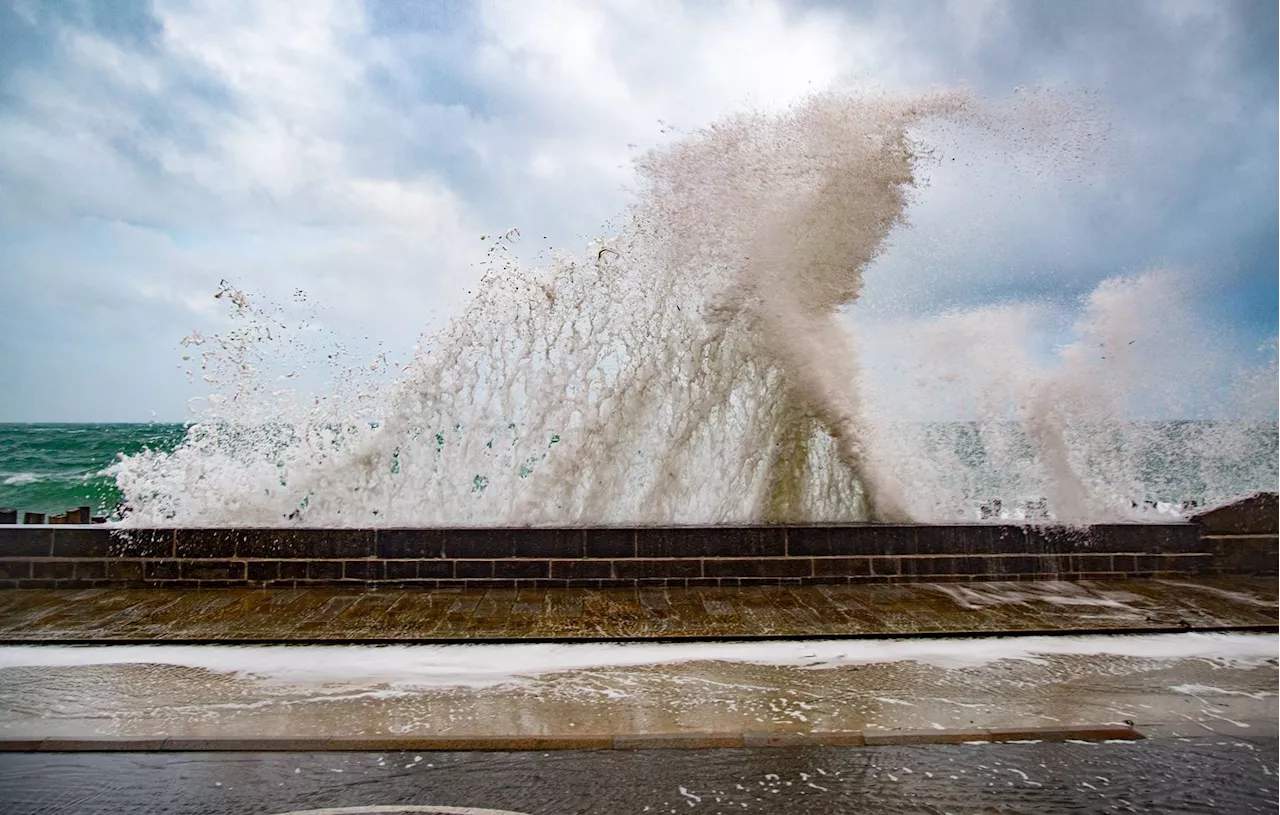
[[1240, 538], [97, 556]]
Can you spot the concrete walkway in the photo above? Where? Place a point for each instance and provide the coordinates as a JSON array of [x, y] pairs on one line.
[[333, 615], [541, 696], [334, 669]]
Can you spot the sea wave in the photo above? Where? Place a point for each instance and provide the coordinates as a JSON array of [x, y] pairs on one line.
[[702, 366], [21, 479]]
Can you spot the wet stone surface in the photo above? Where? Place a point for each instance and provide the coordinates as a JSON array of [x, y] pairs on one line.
[[1163, 684], [335, 614], [1167, 776]]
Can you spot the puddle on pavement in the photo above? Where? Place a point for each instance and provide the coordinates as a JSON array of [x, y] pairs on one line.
[[1159, 776]]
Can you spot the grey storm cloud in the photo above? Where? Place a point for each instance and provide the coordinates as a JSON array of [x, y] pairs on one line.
[[148, 149], [1189, 92]]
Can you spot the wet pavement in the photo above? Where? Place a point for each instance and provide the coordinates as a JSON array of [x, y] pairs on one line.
[[1165, 685], [1206, 701], [1209, 774], [348, 615]]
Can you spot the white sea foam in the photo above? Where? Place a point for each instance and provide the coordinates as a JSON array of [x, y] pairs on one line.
[[1210, 690], [700, 367], [1054, 593], [484, 665], [20, 479]]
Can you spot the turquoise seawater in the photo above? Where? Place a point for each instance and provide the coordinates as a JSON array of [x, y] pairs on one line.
[[51, 468]]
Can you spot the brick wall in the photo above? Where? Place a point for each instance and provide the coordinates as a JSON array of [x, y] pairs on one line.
[[95, 556]]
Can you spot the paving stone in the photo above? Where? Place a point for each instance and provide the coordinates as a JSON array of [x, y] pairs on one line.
[[87, 542], [410, 544], [778, 740], [873, 738], [521, 569], [291, 745], [581, 569], [648, 568], [212, 570], [711, 542], [1256, 514], [610, 543], [144, 543], [677, 741], [20, 745], [334, 614], [757, 567], [20, 542], [479, 544], [15, 569], [839, 738], [101, 745], [848, 541], [1084, 733], [550, 543]]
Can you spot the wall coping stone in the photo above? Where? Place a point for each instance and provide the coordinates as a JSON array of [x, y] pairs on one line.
[[1257, 514]]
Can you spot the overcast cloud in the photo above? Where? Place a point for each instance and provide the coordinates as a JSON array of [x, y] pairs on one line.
[[358, 150]]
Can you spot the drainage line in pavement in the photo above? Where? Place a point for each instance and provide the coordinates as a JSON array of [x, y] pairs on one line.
[[907, 635], [640, 741]]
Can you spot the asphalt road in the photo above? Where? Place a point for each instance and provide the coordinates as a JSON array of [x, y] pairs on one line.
[[1210, 774]]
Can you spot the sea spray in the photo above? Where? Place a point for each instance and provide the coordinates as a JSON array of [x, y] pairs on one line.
[[1091, 426], [694, 368]]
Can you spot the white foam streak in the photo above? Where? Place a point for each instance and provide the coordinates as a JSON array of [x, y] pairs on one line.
[[479, 665]]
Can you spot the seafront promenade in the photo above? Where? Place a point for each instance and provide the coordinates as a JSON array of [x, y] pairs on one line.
[[92, 584], [337, 615], [536, 639]]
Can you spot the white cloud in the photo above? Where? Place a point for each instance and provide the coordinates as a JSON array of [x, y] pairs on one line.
[[596, 81], [299, 144], [262, 158]]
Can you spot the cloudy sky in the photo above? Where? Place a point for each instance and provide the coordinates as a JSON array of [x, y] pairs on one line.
[[357, 151]]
